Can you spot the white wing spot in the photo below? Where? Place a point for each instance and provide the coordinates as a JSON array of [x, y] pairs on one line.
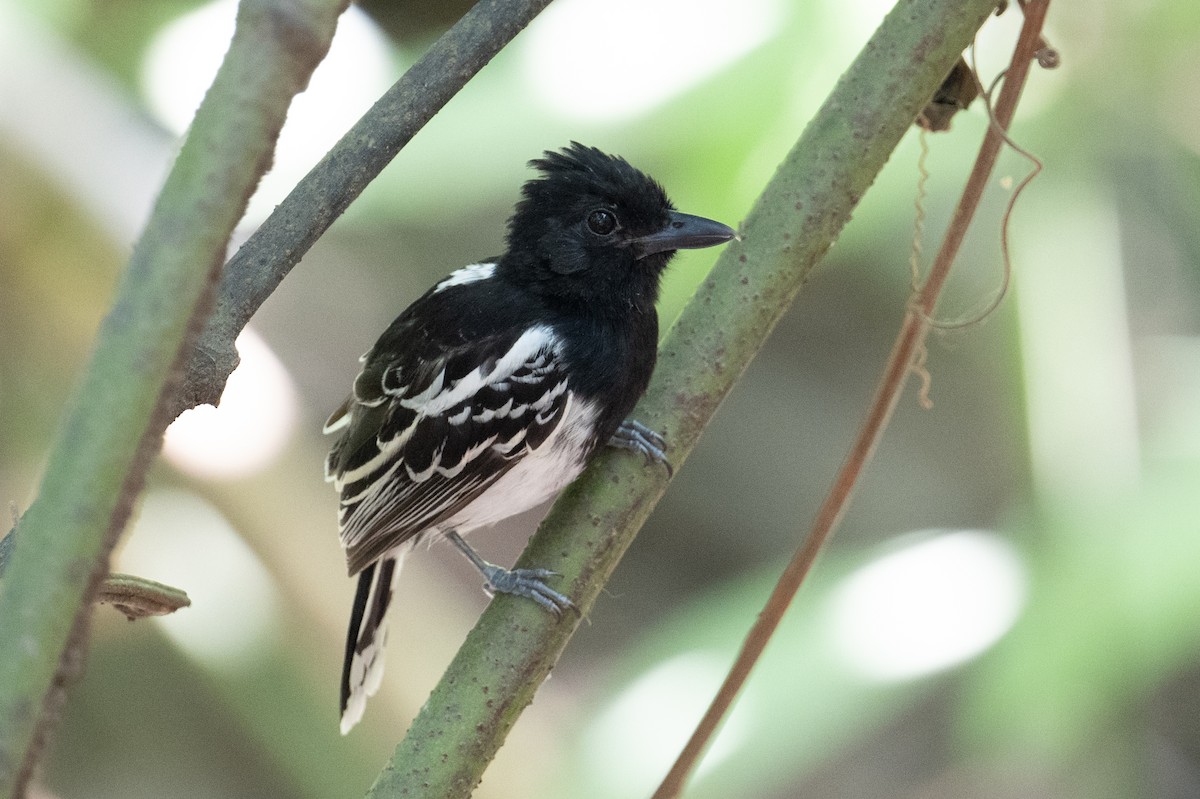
[[468, 456], [424, 474], [439, 397], [336, 422]]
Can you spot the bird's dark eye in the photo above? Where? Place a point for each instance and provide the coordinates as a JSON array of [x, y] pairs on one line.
[[602, 221]]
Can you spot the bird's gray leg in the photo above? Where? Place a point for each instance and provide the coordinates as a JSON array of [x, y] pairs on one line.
[[521, 582], [633, 435]]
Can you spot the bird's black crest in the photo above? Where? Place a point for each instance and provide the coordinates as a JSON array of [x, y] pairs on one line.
[[582, 169], [548, 237], [581, 174]]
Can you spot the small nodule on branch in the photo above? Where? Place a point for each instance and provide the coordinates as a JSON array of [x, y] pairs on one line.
[[6, 545], [138, 597]]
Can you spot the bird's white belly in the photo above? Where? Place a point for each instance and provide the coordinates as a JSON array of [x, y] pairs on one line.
[[536, 478]]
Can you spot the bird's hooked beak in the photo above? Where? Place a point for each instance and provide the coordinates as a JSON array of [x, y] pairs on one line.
[[683, 232]]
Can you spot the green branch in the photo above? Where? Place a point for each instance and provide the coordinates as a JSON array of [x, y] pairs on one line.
[[329, 188], [115, 421], [796, 219]]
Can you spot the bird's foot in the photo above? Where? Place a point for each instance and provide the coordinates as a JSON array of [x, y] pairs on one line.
[[635, 436], [529, 583]]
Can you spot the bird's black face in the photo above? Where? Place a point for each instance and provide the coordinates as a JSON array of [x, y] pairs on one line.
[[596, 230]]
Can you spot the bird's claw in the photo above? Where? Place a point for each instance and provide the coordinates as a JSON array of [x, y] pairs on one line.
[[635, 436], [529, 583]]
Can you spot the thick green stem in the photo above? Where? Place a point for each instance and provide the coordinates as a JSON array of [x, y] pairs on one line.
[[796, 219], [115, 420]]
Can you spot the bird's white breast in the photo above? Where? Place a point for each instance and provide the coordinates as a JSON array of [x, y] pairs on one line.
[[537, 477]]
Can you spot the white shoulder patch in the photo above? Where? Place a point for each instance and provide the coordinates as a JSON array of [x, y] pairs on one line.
[[468, 274]]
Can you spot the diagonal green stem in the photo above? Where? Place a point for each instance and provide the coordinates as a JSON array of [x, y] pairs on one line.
[[115, 420], [329, 188], [909, 343], [262, 263], [796, 219]]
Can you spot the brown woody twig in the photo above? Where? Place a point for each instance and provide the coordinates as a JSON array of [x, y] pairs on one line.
[[908, 344]]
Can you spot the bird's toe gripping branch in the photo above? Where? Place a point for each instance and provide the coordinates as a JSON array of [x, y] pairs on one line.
[[529, 583], [635, 436]]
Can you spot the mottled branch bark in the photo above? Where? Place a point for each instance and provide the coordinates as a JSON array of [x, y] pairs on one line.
[[115, 420]]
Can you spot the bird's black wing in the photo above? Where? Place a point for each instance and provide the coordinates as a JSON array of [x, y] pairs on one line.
[[434, 420]]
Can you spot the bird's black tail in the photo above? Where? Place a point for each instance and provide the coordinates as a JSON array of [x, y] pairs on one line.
[[362, 670]]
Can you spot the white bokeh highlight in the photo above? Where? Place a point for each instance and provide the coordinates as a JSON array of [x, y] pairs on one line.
[[615, 60], [637, 736], [183, 541], [933, 604], [183, 59], [250, 428]]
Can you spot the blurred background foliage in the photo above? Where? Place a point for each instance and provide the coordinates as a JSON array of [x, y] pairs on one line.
[[1011, 607]]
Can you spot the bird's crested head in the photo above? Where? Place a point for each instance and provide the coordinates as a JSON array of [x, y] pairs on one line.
[[593, 227]]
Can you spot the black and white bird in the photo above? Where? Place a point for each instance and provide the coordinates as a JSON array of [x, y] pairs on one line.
[[490, 393]]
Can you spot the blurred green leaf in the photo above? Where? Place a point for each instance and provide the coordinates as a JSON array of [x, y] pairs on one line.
[[1113, 613]]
